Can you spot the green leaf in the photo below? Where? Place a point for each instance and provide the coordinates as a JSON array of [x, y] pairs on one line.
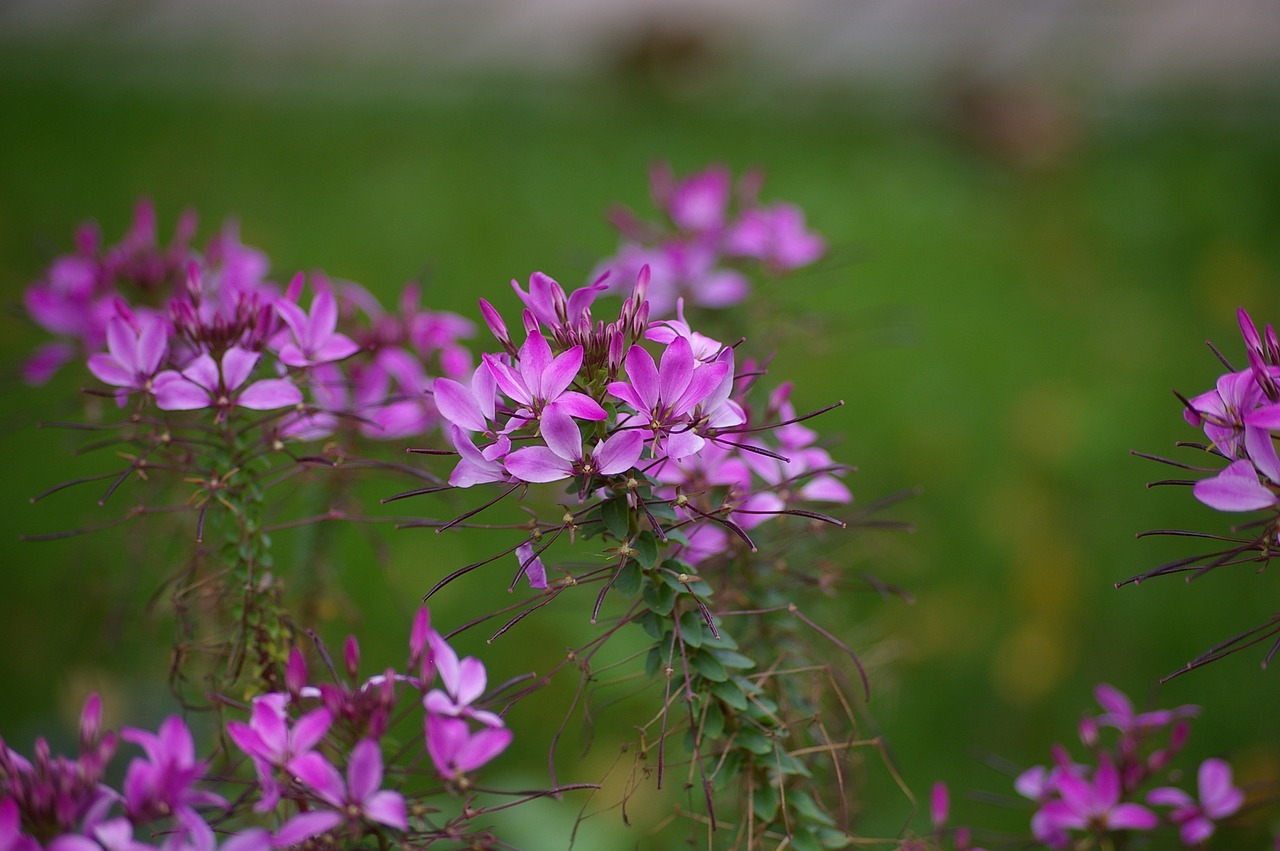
[[691, 629], [616, 515], [804, 804], [764, 802], [730, 694], [751, 739], [832, 838], [628, 581], [713, 722], [653, 662], [709, 668], [730, 658], [803, 839], [646, 546], [654, 626], [659, 598]]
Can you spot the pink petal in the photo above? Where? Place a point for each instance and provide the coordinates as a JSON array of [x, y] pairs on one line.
[[457, 405], [643, 373], [1217, 794], [304, 826], [153, 344], [364, 771], [387, 807], [482, 747], [296, 318], [315, 771], [471, 681], [578, 405], [561, 434], [269, 394], [237, 363], [1131, 817], [675, 370], [619, 452], [557, 377], [1236, 488], [110, 371], [537, 464]]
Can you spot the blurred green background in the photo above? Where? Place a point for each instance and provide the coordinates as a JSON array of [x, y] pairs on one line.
[[1020, 273]]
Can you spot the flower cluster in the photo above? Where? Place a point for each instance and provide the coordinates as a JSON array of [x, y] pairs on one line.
[[697, 252], [181, 330], [315, 750], [1240, 416], [600, 408], [1109, 796]]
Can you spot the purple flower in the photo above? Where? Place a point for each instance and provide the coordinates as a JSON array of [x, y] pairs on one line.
[[314, 338], [361, 796], [165, 783], [464, 681], [539, 381], [469, 408], [134, 353], [456, 750], [1219, 798], [206, 384], [775, 235], [1089, 806], [271, 744], [664, 394], [562, 457], [1120, 714]]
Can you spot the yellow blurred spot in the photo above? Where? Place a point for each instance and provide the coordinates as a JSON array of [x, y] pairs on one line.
[[1029, 663], [1045, 422], [1229, 277]]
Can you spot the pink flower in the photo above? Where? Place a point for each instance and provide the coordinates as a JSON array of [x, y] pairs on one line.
[[271, 744], [775, 235], [562, 457], [315, 338], [1089, 806], [539, 381], [456, 750], [133, 355], [1219, 798], [361, 796], [207, 384], [665, 394]]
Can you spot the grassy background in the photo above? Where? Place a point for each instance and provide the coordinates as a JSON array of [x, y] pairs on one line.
[[1002, 331]]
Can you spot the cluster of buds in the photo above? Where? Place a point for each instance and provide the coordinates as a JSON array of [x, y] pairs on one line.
[[707, 233], [317, 756]]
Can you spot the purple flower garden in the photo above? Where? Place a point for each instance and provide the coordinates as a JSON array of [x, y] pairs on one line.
[[653, 457]]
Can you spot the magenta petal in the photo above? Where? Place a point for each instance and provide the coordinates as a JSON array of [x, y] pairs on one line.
[[269, 394], [482, 747], [310, 729], [557, 377], [295, 318], [364, 771], [237, 363], [304, 826], [387, 807], [1262, 452], [561, 434], [1131, 817], [537, 464], [705, 380], [109, 371], [511, 382], [534, 360], [153, 343], [1265, 417], [1236, 488], [457, 405], [315, 771], [176, 393], [337, 347], [1217, 794], [579, 405], [675, 370], [627, 393], [324, 315], [471, 681], [643, 373], [1168, 796], [619, 452]]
